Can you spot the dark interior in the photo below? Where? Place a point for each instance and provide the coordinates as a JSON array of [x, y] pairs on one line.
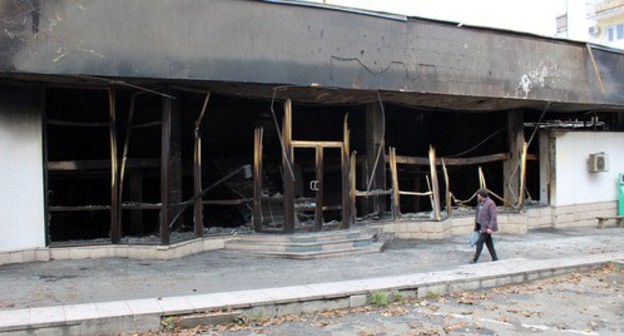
[[77, 142]]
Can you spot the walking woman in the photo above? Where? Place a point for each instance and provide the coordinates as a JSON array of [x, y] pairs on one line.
[[486, 224]]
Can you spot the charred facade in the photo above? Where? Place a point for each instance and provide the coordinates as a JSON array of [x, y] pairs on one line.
[[282, 118]]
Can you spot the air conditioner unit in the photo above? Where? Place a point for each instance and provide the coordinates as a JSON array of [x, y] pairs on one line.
[[598, 162], [594, 30]]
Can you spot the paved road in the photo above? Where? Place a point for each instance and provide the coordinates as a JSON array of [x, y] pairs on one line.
[[577, 304], [83, 281]]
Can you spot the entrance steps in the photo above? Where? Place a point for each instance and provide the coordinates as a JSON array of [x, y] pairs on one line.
[[311, 245]]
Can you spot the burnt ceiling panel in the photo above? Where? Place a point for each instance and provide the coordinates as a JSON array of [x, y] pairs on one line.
[[311, 54]]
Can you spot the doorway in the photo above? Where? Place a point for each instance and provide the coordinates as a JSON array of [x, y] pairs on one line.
[[319, 184]]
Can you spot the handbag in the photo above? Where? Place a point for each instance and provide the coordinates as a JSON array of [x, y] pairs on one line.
[[474, 237]]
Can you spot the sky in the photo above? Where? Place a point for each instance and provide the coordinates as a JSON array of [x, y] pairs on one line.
[[533, 16]]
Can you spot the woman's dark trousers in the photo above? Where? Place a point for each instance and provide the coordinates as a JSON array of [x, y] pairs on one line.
[[487, 239]]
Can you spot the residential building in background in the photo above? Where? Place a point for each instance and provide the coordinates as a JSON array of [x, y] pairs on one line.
[[606, 22], [595, 21], [572, 23]]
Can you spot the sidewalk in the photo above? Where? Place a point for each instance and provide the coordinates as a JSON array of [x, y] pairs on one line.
[[135, 293]]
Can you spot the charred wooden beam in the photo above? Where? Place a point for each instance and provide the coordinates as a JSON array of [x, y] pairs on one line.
[[374, 193], [346, 166], [422, 161], [352, 181], [99, 164], [482, 183], [135, 191], [140, 206], [175, 161], [396, 203], [373, 168], [148, 124], [315, 144], [434, 182], [495, 195], [183, 206], [82, 86], [318, 213], [57, 122], [547, 171], [44, 134], [447, 190], [289, 179], [523, 161], [165, 155], [59, 208], [430, 191], [114, 210], [80, 165], [189, 89], [124, 158], [415, 193], [515, 139], [596, 70], [198, 214], [257, 199], [228, 202]]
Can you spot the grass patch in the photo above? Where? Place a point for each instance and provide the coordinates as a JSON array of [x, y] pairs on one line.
[[168, 323], [380, 299]]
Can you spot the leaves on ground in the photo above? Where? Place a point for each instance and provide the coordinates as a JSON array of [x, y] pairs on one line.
[[398, 311], [322, 323], [471, 298], [453, 313], [525, 313], [419, 329]]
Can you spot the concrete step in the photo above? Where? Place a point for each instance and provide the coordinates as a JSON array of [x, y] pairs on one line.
[[324, 252], [301, 244], [312, 245], [308, 237]]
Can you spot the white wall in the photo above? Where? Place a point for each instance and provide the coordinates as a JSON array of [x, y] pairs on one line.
[[21, 172], [574, 183]]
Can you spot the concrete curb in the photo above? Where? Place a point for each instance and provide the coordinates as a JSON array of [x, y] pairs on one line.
[[159, 252], [145, 314]]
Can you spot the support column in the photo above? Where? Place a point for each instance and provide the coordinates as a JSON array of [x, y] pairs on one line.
[[198, 213], [547, 168], [287, 165], [171, 166], [374, 140], [511, 167]]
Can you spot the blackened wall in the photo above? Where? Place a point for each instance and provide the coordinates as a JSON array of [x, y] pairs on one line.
[[255, 41]]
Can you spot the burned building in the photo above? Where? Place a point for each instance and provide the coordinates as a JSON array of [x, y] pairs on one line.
[[159, 121]]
